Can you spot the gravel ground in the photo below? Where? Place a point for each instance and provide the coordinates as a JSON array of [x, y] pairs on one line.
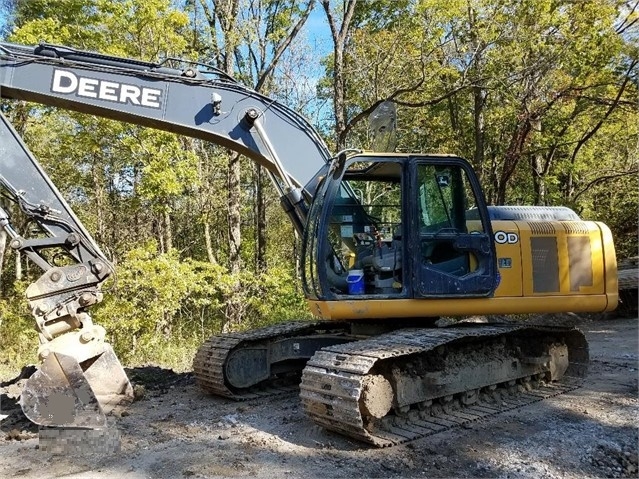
[[176, 431]]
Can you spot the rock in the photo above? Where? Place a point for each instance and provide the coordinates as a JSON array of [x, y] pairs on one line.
[[138, 392], [231, 419], [14, 435]]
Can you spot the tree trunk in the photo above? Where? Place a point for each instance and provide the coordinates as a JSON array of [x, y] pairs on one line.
[[3, 248], [209, 244], [539, 169], [100, 203], [513, 156], [234, 213], [569, 187], [479, 95], [340, 38], [159, 234], [539, 179], [478, 121], [234, 308], [168, 234], [260, 213]]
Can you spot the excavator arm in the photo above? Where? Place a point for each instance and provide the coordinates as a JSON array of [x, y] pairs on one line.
[[64, 289], [80, 377]]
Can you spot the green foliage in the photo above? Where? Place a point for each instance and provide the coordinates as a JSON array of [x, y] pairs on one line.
[[18, 338], [157, 294], [160, 299], [145, 29], [273, 297], [167, 169]]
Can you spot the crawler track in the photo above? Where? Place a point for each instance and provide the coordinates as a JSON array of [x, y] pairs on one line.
[[210, 361], [334, 381]]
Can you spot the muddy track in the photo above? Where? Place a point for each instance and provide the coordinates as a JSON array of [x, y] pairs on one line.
[[211, 360], [335, 380]]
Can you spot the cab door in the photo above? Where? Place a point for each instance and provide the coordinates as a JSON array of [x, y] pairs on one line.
[[451, 233]]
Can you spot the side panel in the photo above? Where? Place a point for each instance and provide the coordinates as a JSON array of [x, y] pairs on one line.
[[562, 258]]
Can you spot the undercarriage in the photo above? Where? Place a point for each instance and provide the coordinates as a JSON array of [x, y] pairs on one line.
[[400, 385]]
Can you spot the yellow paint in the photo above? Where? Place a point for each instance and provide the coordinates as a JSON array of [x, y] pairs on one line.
[[514, 294], [510, 278], [610, 267], [425, 308], [564, 265], [598, 266]]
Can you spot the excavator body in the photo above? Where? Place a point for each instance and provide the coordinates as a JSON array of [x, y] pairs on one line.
[[394, 242]]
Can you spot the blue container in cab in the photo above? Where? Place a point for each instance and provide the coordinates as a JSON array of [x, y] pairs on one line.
[[355, 281]]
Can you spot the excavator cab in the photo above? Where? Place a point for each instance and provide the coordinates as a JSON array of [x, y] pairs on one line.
[[392, 226]]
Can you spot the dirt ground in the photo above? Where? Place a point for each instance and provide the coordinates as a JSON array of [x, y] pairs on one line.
[[177, 431]]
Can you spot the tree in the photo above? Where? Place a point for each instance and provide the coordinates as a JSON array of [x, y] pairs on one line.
[[246, 41], [341, 36]]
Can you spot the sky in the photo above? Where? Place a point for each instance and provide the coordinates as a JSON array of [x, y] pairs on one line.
[[318, 31], [3, 19]]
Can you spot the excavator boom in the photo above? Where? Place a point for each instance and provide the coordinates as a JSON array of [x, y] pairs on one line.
[[198, 103]]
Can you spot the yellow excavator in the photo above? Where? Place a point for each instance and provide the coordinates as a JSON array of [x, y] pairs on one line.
[[390, 243]]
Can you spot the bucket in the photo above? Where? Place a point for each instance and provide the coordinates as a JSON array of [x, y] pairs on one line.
[[355, 281]]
